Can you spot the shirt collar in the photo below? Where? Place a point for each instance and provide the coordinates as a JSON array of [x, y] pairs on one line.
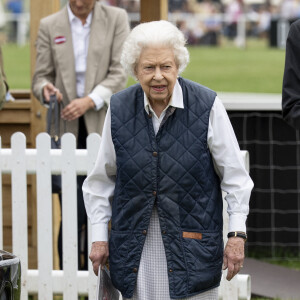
[[176, 99], [72, 17]]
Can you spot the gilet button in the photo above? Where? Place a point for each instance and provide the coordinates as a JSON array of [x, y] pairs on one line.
[[144, 232], [150, 116], [135, 270], [154, 193], [154, 154], [170, 270], [163, 232]]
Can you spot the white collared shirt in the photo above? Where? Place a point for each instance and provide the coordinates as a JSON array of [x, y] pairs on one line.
[[98, 188], [176, 101], [80, 39]]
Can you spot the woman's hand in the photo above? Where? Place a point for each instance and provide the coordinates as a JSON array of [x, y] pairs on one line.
[[233, 256], [99, 254]]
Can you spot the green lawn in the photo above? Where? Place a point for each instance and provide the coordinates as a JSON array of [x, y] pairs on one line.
[[287, 263], [17, 66], [256, 69]]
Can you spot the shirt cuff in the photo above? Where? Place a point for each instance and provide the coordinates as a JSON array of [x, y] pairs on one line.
[[100, 232], [103, 92], [237, 223], [99, 102]]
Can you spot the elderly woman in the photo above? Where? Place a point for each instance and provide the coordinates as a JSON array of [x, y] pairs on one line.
[[167, 150]]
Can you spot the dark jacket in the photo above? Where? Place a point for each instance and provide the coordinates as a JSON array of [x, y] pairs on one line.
[[173, 170], [291, 78]]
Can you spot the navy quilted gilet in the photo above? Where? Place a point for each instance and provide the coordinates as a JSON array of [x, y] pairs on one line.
[[173, 170]]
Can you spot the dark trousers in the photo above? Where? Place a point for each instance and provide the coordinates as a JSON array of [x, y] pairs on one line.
[[81, 213]]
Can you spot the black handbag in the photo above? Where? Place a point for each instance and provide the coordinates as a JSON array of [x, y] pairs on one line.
[[54, 112]]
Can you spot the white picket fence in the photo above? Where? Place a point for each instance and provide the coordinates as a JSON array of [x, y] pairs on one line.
[[42, 161], [69, 161]]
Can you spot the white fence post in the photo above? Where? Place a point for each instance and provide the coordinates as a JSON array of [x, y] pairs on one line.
[[19, 205], [69, 215], [228, 289], [93, 144], [44, 216]]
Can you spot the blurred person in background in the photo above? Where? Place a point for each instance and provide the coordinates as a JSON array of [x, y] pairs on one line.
[[178, 5], [167, 150], [2, 16], [289, 10], [78, 60], [131, 6], [213, 25], [233, 12], [16, 8], [264, 21], [3, 84]]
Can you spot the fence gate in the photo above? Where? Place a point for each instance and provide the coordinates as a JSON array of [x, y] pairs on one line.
[[43, 161]]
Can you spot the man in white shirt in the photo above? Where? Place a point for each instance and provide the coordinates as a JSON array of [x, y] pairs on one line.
[[78, 59]]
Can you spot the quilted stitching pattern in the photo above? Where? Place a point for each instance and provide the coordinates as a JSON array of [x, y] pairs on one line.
[[188, 191]]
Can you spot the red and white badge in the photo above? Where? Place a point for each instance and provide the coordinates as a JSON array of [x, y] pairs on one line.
[[60, 39]]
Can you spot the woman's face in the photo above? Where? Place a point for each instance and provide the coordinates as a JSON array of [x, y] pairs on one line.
[[157, 72]]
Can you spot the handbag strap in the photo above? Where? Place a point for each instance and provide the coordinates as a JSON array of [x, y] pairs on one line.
[[54, 111]]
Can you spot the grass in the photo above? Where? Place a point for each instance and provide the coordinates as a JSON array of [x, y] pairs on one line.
[[258, 298], [256, 69], [292, 264], [17, 66], [281, 256]]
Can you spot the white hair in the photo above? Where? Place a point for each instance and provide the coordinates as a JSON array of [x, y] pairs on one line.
[[156, 33]]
